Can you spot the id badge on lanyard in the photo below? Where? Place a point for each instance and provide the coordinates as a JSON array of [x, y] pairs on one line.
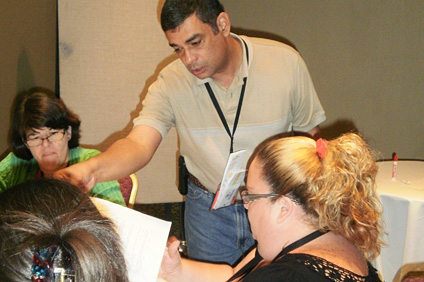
[[234, 171], [231, 180]]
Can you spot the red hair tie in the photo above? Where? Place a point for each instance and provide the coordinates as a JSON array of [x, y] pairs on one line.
[[321, 148]]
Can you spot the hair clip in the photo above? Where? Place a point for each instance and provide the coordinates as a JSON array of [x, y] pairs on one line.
[[321, 147], [42, 266]]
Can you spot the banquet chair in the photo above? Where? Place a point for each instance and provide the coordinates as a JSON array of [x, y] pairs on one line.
[[414, 276], [129, 188]]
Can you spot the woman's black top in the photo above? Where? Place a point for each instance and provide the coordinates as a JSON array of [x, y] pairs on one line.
[[303, 267], [300, 267]]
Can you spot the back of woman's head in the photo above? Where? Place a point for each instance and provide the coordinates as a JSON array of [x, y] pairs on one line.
[[334, 181], [47, 225], [36, 108]]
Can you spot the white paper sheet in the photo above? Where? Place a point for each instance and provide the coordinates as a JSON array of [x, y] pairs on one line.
[[143, 238]]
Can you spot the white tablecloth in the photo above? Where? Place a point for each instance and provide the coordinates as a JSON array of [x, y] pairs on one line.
[[403, 202]]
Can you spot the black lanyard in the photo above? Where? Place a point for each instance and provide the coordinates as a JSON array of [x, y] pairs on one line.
[[257, 259], [299, 243], [248, 267], [218, 108]]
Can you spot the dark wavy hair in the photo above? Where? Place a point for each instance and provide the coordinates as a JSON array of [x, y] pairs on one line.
[[38, 214], [36, 108], [175, 12]]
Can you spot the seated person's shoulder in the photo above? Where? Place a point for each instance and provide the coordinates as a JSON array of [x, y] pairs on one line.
[[14, 170], [11, 159], [284, 271], [79, 154]]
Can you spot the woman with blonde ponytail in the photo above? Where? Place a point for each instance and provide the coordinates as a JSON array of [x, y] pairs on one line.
[[313, 209]]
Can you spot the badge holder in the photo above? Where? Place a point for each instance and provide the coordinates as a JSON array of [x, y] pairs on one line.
[[231, 180]]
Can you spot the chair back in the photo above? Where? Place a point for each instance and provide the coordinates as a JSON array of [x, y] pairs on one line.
[[129, 188], [414, 276]]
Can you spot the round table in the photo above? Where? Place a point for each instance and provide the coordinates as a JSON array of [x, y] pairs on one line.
[[403, 203]]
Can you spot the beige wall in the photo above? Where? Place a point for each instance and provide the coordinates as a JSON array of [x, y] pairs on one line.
[[366, 59], [27, 53], [110, 52]]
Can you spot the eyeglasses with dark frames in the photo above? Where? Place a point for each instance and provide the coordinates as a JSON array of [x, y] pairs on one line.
[[248, 198], [54, 136]]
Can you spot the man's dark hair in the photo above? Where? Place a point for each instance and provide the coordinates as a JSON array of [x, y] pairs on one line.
[[175, 12]]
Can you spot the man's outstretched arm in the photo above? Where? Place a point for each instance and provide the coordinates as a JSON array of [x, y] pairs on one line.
[[122, 158]]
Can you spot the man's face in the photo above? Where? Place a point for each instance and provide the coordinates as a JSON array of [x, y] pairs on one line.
[[203, 53]]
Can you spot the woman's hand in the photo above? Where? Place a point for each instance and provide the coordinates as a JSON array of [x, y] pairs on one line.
[[171, 267], [175, 268]]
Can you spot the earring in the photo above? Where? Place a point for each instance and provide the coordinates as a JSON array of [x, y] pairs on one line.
[[69, 131]]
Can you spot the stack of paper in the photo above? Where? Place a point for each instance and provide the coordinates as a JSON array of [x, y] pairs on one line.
[[143, 238]]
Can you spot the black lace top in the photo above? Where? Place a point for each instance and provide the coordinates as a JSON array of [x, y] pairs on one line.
[[303, 267]]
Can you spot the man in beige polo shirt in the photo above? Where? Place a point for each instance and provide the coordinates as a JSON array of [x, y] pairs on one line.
[[225, 93]]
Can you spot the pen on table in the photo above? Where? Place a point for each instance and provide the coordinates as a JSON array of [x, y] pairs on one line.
[[394, 170]]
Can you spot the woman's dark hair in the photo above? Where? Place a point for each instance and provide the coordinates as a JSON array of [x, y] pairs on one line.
[[36, 108], [175, 12], [50, 214]]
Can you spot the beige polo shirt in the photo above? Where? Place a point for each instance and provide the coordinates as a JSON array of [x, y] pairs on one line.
[[279, 97]]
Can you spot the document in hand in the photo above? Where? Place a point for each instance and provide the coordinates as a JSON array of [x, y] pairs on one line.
[[143, 238]]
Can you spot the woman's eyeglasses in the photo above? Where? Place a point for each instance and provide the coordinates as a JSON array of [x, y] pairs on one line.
[[54, 136], [248, 198]]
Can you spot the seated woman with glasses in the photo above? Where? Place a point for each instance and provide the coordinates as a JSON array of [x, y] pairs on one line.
[[312, 208], [51, 231], [45, 138]]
